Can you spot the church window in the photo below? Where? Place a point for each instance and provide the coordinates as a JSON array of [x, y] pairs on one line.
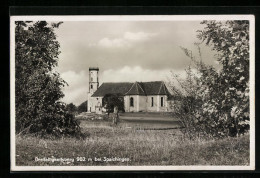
[[161, 101], [132, 101], [91, 86], [91, 79], [152, 102]]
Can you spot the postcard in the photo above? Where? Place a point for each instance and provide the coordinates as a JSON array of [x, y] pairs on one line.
[[132, 92]]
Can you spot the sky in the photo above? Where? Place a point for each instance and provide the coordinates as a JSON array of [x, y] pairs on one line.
[[125, 51]]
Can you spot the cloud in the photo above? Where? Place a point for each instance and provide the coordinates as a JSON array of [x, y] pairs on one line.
[[125, 41], [138, 36], [112, 45], [132, 74], [106, 42], [76, 92], [137, 73]]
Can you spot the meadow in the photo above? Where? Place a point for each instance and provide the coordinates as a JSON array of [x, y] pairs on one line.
[[128, 144]]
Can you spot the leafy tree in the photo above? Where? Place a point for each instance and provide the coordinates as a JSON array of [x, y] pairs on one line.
[[229, 88], [71, 108], [112, 100], [224, 93], [37, 85], [83, 107]]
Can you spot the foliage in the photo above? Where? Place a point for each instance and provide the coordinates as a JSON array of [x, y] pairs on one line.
[[72, 108], [37, 85], [222, 96], [112, 100], [83, 107]]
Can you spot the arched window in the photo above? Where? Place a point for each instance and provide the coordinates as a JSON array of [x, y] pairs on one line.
[[152, 102], [91, 86], [91, 79], [161, 101], [132, 101]]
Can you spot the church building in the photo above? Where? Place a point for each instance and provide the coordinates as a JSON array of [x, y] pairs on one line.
[[138, 96]]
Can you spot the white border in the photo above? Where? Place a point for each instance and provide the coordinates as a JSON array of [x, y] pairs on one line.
[[251, 18]]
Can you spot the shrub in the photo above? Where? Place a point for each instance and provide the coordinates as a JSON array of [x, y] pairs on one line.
[[217, 102], [83, 107], [112, 100]]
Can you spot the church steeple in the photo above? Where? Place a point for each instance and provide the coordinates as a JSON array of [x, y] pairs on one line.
[[93, 79]]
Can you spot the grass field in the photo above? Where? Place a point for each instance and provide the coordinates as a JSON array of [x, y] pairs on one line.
[[155, 115], [135, 121], [133, 124], [107, 145]]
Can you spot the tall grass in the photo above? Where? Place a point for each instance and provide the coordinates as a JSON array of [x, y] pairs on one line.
[[155, 147]]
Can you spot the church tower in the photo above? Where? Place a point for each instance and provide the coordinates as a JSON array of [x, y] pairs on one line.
[[93, 86], [93, 79]]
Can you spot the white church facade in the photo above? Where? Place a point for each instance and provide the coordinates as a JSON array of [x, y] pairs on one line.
[[138, 96]]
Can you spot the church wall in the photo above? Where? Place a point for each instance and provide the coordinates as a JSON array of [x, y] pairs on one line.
[[163, 108], [156, 103], [145, 103], [142, 103], [94, 102], [151, 108], [89, 101], [135, 107], [127, 103]]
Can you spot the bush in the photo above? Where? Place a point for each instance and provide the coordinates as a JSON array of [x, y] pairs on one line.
[[217, 102], [83, 107], [113, 100]]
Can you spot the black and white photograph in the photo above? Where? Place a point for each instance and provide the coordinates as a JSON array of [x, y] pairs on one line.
[[161, 92]]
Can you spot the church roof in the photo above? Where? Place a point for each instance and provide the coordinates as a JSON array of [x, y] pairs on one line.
[[154, 88], [137, 88], [112, 88]]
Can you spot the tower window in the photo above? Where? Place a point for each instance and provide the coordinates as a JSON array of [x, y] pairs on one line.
[[161, 101], [131, 101], [152, 102], [91, 86], [91, 79]]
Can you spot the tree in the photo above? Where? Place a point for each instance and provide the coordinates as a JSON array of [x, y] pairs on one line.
[[37, 86], [83, 107], [71, 108], [112, 100], [223, 95], [229, 87]]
